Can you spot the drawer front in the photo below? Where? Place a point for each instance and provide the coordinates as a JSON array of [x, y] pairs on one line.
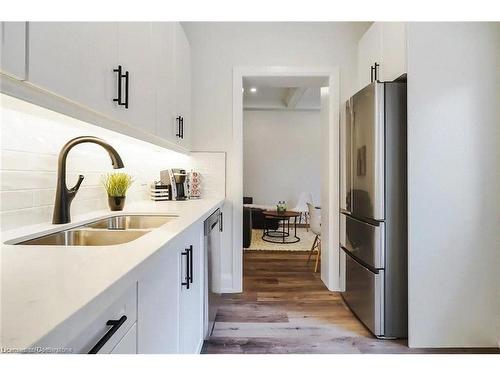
[[364, 293], [91, 333], [128, 344], [363, 240]]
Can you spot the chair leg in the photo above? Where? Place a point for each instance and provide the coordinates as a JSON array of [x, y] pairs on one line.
[[318, 254], [306, 215], [312, 248]]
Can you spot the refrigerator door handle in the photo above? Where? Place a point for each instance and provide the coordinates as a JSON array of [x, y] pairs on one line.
[[351, 143], [346, 161]]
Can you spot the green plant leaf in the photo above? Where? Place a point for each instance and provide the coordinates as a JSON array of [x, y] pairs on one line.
[[117, 184]]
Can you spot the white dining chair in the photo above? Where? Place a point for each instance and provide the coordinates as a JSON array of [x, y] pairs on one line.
[[301, 206], [315, 224]]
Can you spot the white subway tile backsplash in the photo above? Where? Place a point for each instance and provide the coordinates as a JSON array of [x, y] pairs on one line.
[[43, 197], [15, 200], [31, 138], [29, 216], [212, 167], [27, 161], [24, 180]]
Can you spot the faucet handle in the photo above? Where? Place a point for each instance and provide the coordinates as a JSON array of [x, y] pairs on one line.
[[75, 188]]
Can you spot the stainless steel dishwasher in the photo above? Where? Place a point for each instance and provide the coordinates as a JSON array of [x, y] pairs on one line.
[[213, 231]]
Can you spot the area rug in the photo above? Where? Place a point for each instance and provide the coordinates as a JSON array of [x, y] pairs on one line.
[[305, 243]]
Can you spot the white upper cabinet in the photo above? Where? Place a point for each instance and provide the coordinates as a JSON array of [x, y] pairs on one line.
[[393, 50], [135, 55], [163, 47], [384, 44], [79, 61], [13, 49], [75, 60], [182, 69], [369, 53]]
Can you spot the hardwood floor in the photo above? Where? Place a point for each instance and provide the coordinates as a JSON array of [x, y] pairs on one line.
[[285, 308]]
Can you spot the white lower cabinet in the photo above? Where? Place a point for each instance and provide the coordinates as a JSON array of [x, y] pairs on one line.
[[104, 325], [158, 307], [111, 327], [170, 307], [128, 344], [192, 296], [162, 311]]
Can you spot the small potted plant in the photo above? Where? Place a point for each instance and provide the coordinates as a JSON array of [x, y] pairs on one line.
[[116, 184]]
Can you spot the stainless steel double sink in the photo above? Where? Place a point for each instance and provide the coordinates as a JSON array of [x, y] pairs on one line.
[[112, 230]]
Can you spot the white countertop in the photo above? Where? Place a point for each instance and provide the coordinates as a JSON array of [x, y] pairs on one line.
[[41, 286]]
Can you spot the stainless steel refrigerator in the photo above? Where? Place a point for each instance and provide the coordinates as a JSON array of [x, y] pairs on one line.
[[373, 217]]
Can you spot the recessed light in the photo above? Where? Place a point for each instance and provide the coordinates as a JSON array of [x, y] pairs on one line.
[[253, 89], [243, 89]]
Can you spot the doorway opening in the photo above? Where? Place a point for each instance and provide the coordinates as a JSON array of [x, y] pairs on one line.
[[314, 91], [282, 165]]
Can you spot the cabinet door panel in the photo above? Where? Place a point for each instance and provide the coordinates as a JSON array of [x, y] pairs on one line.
[[158, 303], [13, 49], [369, 52], [135, 55], [182, 68], [192, 309], [75, 60], [393, 50], [163, 49], [128, 344]]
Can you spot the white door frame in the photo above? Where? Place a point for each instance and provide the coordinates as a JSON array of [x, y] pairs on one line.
[[330, 262]]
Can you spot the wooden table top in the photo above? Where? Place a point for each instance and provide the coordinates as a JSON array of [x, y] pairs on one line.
[[281, 214]]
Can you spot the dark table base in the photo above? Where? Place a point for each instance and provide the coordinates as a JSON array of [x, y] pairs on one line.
[[281, 236]]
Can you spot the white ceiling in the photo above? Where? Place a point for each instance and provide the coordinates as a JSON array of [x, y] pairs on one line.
[[282, 93], [285, 81]]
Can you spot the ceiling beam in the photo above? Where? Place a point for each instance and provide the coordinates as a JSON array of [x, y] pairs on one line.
[[293, 96]]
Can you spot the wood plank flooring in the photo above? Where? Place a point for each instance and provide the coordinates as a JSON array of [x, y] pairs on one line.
[[285, 308]]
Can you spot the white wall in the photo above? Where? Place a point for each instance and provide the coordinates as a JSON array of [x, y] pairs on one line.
[[453, 177], [216, 48], [31, 138], [282, 155]]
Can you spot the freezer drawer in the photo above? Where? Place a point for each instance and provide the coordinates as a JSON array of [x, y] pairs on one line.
[[364, 294], [363, 240]]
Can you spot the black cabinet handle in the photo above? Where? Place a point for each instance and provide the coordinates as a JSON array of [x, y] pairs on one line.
[[372, 69], [190, 251], [221, 222], [115, 326], [375, 67], [178, 122], [180, 127], [119, 73], [126, 88], [120, 77], [187, 278]]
